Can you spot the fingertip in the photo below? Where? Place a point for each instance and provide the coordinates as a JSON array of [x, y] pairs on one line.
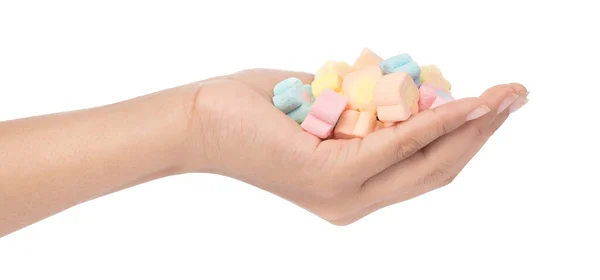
[[519, 88], [478, 112], [305, 77]]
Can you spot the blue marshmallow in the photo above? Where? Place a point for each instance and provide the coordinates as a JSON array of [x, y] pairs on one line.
[[286, 102], [287, 84], [443, 95], [412, 68], [300, 113], [388, 65], [293, 98], [417, 82]]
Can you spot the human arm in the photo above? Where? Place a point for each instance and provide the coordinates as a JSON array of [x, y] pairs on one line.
[[53, 162], [228, 125]]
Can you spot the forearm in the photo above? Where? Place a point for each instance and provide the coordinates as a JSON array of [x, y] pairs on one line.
[[50, 163]]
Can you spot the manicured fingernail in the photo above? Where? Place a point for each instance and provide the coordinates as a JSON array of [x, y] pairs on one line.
[[478, 112], [518, 104], [507, 102]]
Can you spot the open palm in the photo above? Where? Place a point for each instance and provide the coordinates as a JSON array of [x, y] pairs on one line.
[[240, 133]]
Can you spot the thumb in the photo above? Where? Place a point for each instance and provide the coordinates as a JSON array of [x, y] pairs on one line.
[[385, 147], [263, 80]]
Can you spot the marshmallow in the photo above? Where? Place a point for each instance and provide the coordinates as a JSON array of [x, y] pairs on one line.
[[366, 58], [402, 63], [286, 84], [396, 97], [345, 126], [293, 98], [358, 87], [348, 102], [354, 124], [426, 96], [366, 124], [411, 68], [439, 96], [431, 74], [330, 76], [417, 82], [388, 65], [324, 113]]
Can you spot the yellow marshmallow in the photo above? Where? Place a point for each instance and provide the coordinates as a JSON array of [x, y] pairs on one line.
[[330, 76], [358, 87], [326, 81], [431, 74]]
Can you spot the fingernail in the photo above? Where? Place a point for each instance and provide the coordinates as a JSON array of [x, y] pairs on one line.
[[478, 112], [518, 104], [507, 102]]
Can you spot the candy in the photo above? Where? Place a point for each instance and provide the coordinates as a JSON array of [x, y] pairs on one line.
[[441, 100], [426, 97], [429, 92], [348, 102], [355, 124], [324, 113], [411, 68], [358, 87], [330, 76], [396, 97], [388, 65], [293, 98], [345, 126], [401, 63], [366, 58], [286, 84], [417, 82], [366, 124], [431, 74]]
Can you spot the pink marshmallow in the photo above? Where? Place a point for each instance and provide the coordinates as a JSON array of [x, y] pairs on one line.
[[441, 96], [324, 113], [317, 127], [426, 97], [439, 101]]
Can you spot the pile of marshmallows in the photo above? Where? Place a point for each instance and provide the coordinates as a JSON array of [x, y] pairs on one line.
[[347, 101]]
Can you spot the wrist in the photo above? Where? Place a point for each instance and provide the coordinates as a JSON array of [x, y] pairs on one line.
[[195, 154], [161, 130]]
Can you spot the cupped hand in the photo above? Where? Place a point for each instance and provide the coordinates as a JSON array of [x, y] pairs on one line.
[[235, 130]]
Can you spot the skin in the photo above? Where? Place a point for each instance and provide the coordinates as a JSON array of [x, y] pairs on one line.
[[228, 125]]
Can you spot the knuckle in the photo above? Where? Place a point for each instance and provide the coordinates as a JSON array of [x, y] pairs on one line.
[[480, 131], [408, 148], [501, 87], [336, 211], [518, 88], [441, 127], [448, 180], [342, 223], [330, 212], [435, 177]]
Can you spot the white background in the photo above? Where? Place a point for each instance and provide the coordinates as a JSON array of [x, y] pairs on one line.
[[527, 206]]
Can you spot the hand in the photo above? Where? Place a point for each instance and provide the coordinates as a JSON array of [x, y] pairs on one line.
[[236, 131]]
